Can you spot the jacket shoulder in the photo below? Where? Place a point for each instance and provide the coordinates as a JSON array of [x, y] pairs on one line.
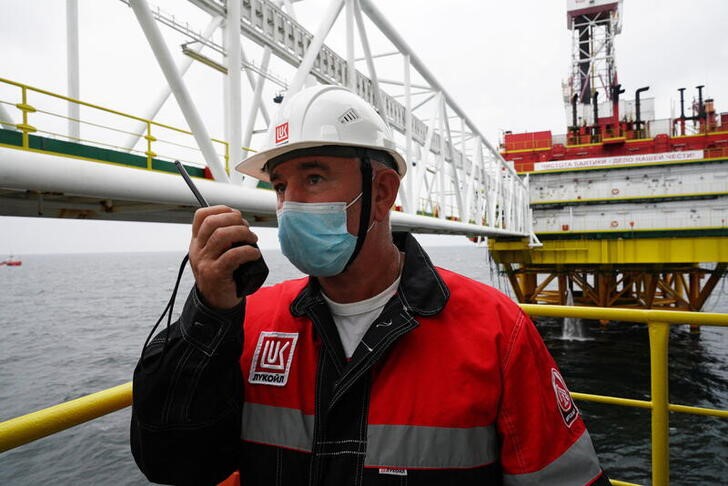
[[477, 296]]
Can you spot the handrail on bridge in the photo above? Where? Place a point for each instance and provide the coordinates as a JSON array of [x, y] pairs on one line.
[[26, 127], [27, 428]]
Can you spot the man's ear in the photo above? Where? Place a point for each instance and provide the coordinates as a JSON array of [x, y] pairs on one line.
[[384, 193]]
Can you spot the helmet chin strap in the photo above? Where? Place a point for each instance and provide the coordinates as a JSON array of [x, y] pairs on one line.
[[366, 207]]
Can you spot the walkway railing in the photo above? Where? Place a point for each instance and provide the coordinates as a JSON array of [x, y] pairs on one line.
[[27, 428], [45, 113]]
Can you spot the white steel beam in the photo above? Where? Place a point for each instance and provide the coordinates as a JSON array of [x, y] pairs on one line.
[[456, 179], [251, 80], [426, 153], [405, 191], [72, 68], [253, 113], [350, 54], [442, 172], [368, 56], [166, 63], [469, 182], [233, 107]]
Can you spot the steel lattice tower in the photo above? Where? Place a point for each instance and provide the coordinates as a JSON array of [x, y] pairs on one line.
[[594, 25]]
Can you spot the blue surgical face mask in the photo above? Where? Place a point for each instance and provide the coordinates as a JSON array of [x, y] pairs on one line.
[[313, 236]]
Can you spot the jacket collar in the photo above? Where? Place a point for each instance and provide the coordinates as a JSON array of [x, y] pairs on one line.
[[421, 289]]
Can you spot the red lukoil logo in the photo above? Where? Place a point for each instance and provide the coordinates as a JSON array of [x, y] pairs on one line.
[[568, 409], [281, 133], [272, 358]]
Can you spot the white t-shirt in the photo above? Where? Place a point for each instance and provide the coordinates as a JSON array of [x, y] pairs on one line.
[[353, 320]]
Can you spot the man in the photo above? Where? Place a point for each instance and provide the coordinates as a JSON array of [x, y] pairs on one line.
[[379, 369]]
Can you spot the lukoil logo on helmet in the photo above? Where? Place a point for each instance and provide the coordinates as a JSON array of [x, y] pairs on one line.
[[281, 133]]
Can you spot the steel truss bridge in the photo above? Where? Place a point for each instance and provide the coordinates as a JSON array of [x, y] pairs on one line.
[[51, 144]]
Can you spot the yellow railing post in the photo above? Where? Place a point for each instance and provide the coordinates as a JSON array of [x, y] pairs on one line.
[[659, 337], [150, 138], [25, 117], [24, 126]]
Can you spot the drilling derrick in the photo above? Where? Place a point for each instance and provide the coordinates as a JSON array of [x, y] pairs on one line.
[[592, 89]]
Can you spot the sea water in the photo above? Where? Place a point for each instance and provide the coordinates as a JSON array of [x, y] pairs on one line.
[[74, 324]]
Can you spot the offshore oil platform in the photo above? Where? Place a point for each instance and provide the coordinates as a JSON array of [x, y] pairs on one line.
[[632, 211]]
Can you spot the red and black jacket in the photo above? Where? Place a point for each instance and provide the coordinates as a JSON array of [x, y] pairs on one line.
[[451, 384]]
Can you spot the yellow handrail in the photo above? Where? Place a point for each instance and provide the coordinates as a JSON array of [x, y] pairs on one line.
[[626, 315], [27, 428], [24, 429], [26, 128]]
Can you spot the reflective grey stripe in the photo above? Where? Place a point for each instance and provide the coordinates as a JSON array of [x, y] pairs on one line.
[[407, 446], [575, 467], [278, 426]]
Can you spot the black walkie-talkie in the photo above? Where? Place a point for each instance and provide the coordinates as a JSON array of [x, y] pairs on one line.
[[249, 276]]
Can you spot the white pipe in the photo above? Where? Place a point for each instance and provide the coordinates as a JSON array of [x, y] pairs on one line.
[[253, 113], [314, 47], [64, 175], [23, 171], [72, 59], [164, 58], [233, 108], [427, 224], [163, 96]]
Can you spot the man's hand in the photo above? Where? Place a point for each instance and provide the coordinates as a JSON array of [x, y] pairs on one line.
[[214, 230]]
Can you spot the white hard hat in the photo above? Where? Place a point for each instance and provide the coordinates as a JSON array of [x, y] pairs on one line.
[[323, 116]]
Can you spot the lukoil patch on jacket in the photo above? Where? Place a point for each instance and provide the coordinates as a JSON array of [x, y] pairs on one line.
[[568, 409], [272, 358]]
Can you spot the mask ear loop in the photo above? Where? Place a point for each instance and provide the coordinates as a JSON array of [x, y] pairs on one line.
[[366, 207]]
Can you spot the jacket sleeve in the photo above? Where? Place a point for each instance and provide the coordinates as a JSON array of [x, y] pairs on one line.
[[187, 398], [543, 438]]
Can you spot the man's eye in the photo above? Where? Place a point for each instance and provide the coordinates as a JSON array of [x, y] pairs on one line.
[[279, 188], [314, 179]]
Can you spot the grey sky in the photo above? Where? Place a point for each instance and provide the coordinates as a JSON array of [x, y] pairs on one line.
[[503, 63]]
